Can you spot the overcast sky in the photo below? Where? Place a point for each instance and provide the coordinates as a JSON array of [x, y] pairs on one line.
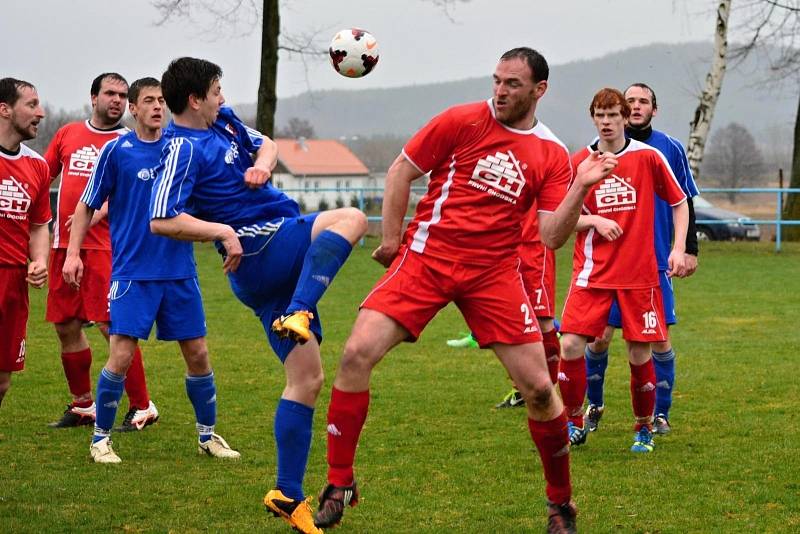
[[61, 45]]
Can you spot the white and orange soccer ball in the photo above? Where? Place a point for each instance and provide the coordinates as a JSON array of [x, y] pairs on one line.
[[354, 52]]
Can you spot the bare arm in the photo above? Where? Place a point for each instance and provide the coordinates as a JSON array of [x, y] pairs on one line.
[[38, 246], [607, 228], [677, 256], [80, 222], [395, 204], [187, 228], [556, 227], [261, 171]]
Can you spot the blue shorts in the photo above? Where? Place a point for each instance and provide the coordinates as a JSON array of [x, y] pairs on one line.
[[176, 307], [267, 276], [667, 295]]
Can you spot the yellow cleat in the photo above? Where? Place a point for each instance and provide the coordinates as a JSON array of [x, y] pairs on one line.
[[294, 326], [296, 513]]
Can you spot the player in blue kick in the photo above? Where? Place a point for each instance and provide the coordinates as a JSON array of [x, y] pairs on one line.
[[279, 262], [153, 278], [642, 100]]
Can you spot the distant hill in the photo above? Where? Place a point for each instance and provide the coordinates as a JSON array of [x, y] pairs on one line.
[[676, 72]]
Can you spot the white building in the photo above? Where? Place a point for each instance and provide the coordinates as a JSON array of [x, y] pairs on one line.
[[313, 170]]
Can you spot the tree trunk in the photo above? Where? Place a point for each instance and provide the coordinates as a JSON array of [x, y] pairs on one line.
[[791, 210], [267, 98], [700, 126]]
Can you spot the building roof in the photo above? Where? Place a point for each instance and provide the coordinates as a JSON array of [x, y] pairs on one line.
[[320, 157]]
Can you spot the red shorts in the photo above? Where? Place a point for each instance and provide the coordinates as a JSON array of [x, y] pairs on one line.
[[539, 276], [13, 317], [586, 312], [491, 299], [90, 302]]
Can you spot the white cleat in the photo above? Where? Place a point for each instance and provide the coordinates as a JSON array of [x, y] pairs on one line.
[[102, 453], [139, 419], [217, 447]]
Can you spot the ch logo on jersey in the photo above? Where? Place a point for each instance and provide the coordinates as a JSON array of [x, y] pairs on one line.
[[232, 153], [146, 174], [615, 191], [13, 197], [82, 161], [499, 175]]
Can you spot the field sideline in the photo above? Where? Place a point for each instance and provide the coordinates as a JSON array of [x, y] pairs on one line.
[[435, 457]]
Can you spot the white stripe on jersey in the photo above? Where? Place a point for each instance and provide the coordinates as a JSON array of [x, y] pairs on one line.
[[86, 197], [588, 264], [170, 165], [422, 233]]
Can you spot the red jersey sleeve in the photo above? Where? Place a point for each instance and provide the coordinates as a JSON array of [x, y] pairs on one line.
[[556, 181], [434, 143], [53, 154], [665, 183], [40, 211]]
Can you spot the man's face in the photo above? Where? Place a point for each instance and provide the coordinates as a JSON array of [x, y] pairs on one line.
[[641, 102], [609, 123], [148, 110], [515, 91], [109, 104], [209, 107], [26, 113]]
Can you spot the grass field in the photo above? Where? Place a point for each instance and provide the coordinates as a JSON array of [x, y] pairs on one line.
[[434, 456]]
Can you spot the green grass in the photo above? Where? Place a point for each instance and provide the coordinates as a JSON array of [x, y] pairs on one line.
[[434, 456]]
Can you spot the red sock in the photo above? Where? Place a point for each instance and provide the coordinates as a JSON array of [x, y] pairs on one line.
[[572, 383], [135, 383], [77, 366], [552, 441], [346, 416], [643, 393], [552, 352]]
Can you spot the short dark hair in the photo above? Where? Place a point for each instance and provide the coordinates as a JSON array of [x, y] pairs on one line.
[[10, 90], [111, 76], [187, 76], [607, 98], [645, 86], [536, 61], [137, 86]]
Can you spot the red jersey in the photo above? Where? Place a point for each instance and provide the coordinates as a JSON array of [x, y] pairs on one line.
[[74, 150], [531, 249], [484, 178], [627, 196], [24, 200]]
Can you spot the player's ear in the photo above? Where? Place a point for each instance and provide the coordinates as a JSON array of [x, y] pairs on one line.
[[540, 88]]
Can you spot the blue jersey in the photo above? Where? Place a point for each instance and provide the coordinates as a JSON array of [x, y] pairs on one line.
[[202, 174], [124, 175], [676, 157]]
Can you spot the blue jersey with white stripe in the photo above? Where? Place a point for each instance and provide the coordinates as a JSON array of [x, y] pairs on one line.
[[676, 157], [124, 175], [202, 173]]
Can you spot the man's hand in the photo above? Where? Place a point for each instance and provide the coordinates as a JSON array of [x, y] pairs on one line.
[[595, 167], [607, 228], [73, 271], [386, 253], [255, 177], [691, 264], [37, 274], [233, 251], [677, 264]]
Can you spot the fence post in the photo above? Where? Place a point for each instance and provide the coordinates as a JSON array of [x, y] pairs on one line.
[[778, 214], [361, 207]]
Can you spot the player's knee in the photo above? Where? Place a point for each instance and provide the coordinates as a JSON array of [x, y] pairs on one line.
[[572, 346], [539, 392], [5, 385], [69, 333], [358, 356]]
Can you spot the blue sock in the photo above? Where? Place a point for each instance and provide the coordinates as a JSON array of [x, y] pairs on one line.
[[324, 258], [664, 363], [202, 392], [293, 440], [109, 391], [596, 363]]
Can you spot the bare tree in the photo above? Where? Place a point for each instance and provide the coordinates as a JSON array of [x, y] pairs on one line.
[[701, 123], [733, 160], [777, 23], [296, 129]]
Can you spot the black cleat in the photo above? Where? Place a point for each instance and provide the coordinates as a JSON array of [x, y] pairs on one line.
[[561, 518], [332, 502], [75, 416]]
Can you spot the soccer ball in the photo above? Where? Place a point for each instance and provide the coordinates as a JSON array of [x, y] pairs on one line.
[[354, 52]]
